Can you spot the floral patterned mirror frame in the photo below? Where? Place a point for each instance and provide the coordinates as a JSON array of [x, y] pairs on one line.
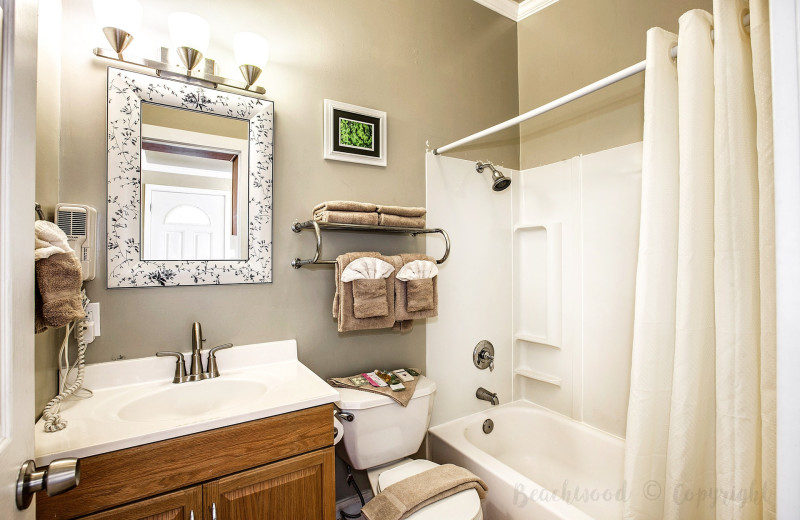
[[126, 92]]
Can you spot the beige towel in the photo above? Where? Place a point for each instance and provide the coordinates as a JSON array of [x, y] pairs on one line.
[[345, 205], [403, 211], [58, 279], [370, 298], [347, 217], [343, 304], [404, 498], [416, 292], [399, 221], [402, 397]]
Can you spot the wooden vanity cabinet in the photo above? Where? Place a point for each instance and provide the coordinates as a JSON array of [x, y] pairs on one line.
[[280, 467]]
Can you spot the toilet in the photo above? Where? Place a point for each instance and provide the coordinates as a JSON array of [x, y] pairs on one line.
[[381, 437]]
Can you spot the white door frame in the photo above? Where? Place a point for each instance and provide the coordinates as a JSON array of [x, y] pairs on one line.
[[785, 28], [17, 193]]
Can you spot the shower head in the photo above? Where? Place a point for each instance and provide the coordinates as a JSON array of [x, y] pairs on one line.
[[499, 181]]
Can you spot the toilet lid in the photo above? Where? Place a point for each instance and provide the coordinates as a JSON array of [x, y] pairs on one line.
[[465, 505]]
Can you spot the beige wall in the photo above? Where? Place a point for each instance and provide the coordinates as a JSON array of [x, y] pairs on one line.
[[415, 59], [573, 43]]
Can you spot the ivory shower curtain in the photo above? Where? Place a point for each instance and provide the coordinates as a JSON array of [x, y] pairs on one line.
[[701, 415]]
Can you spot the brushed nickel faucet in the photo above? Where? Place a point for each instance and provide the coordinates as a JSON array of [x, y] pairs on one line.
[[485, 395], [196, 373]]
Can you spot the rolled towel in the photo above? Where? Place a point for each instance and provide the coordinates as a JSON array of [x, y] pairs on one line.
[[404, 498], [402, 211], [398, 221], [347, 217], [345, 205]]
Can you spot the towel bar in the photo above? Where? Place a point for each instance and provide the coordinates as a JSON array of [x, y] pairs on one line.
[[318, 227]]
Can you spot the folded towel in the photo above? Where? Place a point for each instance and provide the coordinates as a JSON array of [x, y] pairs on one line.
[[370, 298], [50, 240], [406, 497], [399, 221], [59, 280], [415, 299], [344, 303], [347, 217], [402, 397], [403, 211], [345, 205]]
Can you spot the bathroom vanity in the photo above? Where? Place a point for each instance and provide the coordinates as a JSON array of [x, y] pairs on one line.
[[257, 442]]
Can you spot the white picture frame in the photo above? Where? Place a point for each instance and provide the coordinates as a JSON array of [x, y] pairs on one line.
[[367, 121]]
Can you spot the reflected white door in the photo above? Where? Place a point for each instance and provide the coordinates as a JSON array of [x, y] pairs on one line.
[[185, 223], [17, 174]]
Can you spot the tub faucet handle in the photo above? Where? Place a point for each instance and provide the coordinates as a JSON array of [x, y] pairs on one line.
[[483, 355]]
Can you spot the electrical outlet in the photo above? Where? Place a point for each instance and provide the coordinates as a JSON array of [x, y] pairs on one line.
[[93, 311]]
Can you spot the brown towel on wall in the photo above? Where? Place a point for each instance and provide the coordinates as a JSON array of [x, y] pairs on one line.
[[406, 497], [402, 397], [343, 304], [399, 221], [347, 217], [59, 280], [370, 298], [403, 211], [345, 205], [419, 293]]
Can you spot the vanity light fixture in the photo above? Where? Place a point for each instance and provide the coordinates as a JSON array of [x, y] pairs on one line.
[[120, 19], [190, 34], [252, 53]]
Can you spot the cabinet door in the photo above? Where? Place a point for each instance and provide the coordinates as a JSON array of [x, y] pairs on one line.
[[186, 504], [300, 488]]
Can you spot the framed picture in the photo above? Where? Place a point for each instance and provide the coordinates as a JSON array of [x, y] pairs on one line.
[[354, 134]]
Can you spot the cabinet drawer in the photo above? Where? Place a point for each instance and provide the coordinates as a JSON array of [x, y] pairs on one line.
[[124, 476]]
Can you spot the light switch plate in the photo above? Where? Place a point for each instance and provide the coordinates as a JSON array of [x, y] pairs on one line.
[[93, 310]]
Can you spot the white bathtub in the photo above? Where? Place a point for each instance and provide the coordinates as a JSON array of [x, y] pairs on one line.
[[538, 464]]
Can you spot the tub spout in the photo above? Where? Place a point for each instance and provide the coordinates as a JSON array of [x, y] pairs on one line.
[[485, 395]]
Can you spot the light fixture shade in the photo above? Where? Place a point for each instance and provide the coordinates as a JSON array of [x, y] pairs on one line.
[[119, 14], [189, 30], [250, 49]]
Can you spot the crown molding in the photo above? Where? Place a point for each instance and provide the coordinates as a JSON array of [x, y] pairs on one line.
[[513, 10]]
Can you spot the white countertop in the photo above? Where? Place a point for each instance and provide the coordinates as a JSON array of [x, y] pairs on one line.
[[267, 376]]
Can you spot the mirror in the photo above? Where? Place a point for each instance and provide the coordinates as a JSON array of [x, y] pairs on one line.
[[193, 180], [189, 184]]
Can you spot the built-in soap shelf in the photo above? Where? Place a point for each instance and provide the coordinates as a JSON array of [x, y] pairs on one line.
[[537, 283], [538, 340], [530, 373]]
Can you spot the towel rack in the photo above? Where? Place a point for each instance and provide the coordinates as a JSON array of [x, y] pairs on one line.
[[318, 227]]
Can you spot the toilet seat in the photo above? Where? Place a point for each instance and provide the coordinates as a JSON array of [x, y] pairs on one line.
[[465, 505]]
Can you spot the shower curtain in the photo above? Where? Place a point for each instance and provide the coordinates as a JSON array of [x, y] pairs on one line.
[[701, 415]]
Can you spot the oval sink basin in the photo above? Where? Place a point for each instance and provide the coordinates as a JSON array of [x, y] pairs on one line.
[[187, 400]]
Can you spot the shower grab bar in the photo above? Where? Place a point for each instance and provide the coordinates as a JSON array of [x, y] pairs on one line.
[[318, 227], [563, 100]]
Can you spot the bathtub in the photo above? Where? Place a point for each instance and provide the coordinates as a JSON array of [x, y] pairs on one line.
[[538, 464]]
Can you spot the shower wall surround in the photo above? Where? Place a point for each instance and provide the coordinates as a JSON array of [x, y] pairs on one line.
[[474, 285], [576, 236], [545, 271]]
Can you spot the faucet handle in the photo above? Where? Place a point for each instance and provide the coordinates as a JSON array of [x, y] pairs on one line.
[[180, 365], [213, 371]]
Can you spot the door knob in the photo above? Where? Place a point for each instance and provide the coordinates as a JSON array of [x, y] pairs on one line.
[[61, 475]]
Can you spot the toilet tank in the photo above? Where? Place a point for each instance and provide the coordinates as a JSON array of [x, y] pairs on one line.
[[383, 431]]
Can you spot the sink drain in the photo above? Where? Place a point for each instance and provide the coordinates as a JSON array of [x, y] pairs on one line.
[[488, 426]]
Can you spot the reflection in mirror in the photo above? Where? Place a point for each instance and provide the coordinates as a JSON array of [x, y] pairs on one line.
[[194, 185]]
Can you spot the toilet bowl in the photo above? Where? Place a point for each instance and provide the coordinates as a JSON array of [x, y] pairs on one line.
[[381, 437]]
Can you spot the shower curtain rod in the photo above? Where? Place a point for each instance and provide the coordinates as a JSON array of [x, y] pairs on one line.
[[588, 89]]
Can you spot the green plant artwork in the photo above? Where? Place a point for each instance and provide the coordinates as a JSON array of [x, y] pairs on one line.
[[355, 134]]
